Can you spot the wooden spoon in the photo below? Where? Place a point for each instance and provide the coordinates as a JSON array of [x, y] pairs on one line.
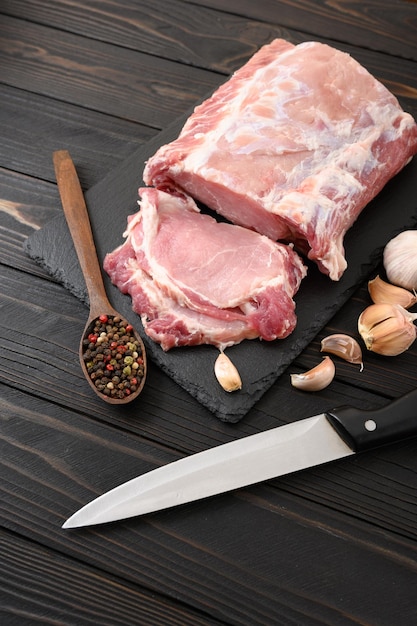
[[76, 214]]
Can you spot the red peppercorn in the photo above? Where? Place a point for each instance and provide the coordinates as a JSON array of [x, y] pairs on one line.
[[108, 343]]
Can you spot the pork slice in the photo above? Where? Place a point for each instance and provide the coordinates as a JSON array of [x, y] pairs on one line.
[[194, 280], [164, 320], [294, 146]]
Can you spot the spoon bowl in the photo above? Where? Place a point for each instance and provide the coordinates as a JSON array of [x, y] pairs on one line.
[[108, 375], [106, 317]]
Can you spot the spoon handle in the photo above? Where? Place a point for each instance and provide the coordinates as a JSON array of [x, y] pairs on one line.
[[78, 221]]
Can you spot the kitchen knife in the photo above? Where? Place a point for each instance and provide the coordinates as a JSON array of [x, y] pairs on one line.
[[312, 441]]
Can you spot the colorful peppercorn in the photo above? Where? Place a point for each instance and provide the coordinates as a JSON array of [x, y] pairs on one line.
[[113, 357]]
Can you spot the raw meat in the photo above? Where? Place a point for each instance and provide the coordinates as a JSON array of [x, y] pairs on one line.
[[194, 280], [294, 146]]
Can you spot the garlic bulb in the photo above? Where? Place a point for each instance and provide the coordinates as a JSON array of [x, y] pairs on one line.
[[400, 260], [381, 291], [317, 378], [344, 346], [226, 373], [387, 329]]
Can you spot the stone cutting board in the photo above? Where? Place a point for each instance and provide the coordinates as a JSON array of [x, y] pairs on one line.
[[259, 363]]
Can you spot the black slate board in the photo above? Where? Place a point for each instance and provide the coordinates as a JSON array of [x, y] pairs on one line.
[[259, 363]]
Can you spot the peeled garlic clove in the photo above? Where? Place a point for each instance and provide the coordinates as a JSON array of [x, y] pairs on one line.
[[344, 346], [400, 260], [382, 292], [317, 378], [226, 373], [387, 329]]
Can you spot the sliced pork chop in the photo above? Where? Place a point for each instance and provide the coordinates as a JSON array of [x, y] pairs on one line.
[[194, 280], [294, 146]]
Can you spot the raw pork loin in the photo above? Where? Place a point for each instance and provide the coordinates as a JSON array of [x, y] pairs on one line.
[[194, 280], [294, 146]]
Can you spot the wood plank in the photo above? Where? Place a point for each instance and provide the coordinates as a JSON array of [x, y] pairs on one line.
[[85, 73], [305, 547], [169, 29], [388, 26], [100, 141], [208, 34], [33, 126], [99, 76], [26, 204], [39, 585], [335, 545]]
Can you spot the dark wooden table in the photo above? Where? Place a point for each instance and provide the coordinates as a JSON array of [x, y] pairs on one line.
[[332, 545]]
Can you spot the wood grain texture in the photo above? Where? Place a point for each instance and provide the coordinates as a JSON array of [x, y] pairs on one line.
[[172, 30], [388, 26], [26, 204], [83, 71], [194, 553], [334, 545], [61, 591], [168, 29], [96, 75], [33, 126]]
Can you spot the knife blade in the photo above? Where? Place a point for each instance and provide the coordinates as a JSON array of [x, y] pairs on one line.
[[257, 458]]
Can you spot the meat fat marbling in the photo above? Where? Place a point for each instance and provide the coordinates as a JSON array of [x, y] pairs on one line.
[[294, 145]]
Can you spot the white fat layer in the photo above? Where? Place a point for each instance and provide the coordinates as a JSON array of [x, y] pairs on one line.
[[301, 156]]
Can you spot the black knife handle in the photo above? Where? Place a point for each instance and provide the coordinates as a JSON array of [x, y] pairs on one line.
[[363, 430]]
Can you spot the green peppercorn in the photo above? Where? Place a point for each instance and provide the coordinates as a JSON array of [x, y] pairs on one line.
[[111, 352]]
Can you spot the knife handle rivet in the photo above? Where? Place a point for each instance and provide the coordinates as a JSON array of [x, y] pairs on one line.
[[370, 425]]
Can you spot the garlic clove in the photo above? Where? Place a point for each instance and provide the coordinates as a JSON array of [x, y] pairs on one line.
[[317, 378], [383, 292], [400, 260], [343, 346], [387, 329], [375, 313], [227, 374]]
